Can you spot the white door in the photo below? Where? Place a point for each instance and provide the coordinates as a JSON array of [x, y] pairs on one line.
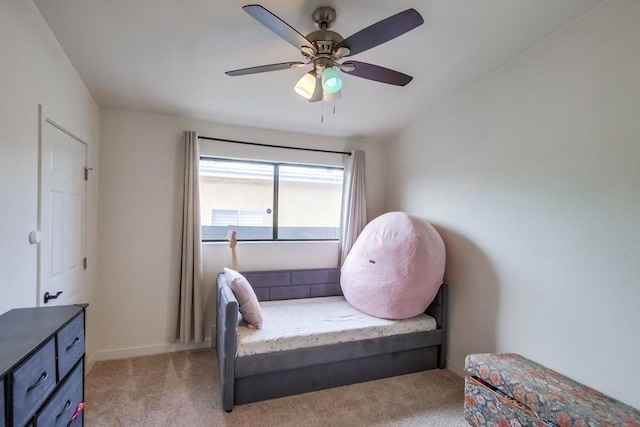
[[63, 189]]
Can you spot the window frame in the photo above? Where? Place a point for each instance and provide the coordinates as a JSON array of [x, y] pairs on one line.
[[276, 188]]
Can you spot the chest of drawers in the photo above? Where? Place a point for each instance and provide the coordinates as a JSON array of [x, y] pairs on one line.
[[42, 366]]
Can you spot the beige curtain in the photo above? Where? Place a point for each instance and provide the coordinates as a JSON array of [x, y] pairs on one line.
[[354, 203], [190, 308]]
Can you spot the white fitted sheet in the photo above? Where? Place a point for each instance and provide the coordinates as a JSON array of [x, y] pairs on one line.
[[311, 322]]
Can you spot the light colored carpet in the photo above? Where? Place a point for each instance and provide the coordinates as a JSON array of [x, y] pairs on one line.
[[181, 389]]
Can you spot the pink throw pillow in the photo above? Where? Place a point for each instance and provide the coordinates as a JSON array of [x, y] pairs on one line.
[[247, 300]]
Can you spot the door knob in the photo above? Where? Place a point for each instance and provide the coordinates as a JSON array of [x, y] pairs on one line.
[[48, 296], [35, 237]]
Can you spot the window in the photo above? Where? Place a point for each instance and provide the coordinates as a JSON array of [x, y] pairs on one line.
[[269, 201]]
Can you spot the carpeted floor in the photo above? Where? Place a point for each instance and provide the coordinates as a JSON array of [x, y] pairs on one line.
[[181, 389]]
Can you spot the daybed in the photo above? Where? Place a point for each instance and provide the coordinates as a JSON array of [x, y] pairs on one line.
[[256, 377]]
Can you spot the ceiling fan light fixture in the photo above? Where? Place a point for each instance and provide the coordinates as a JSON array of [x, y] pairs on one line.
[[331, 80], [328, 97], [306, 85]]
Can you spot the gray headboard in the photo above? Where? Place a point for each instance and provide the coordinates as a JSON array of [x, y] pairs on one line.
[[293, 284]]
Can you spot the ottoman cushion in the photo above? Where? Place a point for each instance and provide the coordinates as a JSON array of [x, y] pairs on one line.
[[551, 396]]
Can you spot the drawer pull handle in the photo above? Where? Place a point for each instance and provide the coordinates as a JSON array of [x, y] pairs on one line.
[[73, 344], [42, 378], [67, 406]]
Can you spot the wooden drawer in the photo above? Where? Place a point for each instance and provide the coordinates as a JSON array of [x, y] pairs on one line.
[[70, 345], [60, 409], [2, 416], [32, 382]]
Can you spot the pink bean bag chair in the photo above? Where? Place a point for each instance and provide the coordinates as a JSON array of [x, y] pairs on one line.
[[395, 267]]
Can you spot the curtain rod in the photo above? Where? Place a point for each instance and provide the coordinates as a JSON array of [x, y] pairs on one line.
[[273, 146]]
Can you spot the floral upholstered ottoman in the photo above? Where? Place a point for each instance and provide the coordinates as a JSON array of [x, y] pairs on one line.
[[509, 390]]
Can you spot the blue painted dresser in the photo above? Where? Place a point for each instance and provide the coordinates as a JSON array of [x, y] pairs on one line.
[[42, 366]]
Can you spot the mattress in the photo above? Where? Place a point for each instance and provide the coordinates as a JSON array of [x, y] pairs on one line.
[[312, 322]]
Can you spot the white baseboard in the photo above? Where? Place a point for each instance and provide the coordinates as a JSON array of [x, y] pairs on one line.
[[147, 350], [88, 364], [456, 366]]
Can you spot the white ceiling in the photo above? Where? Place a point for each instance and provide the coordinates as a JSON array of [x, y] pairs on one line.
[[169, 56]]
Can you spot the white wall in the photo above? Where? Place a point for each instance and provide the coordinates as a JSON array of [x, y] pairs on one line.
[[141, 177], [35, 70], [533, 179]]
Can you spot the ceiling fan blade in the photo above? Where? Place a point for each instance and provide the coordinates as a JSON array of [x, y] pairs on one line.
[[377, 73], [382, 31], [265, 68], [277, 25]]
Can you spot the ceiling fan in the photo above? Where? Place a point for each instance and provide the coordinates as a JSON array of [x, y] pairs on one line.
[[323, 49]]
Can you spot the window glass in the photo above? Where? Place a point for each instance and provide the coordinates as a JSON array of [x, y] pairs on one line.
[[239, 196], [309, 205], [236, 196]]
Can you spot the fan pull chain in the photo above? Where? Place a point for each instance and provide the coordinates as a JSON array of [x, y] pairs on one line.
[[321, 111]]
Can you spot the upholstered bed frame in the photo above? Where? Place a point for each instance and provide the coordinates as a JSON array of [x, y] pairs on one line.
[[266, 376]]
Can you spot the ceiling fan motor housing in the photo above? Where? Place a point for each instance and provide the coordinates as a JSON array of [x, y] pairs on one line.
[[324, 40]]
